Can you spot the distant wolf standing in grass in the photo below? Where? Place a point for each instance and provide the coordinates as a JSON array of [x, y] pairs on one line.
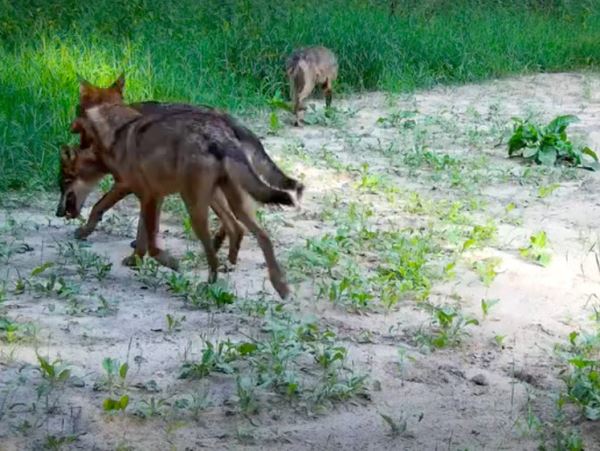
[[307, 68]]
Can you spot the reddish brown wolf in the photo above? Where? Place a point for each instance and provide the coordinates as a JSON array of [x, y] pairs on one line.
[[306, 68], [81, 170], [156, 155]]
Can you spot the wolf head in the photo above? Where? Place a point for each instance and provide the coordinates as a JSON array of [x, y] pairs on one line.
[[100, 112], [80, 171], [90, 95]]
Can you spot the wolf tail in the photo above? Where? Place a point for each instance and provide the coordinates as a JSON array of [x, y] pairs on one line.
[[264, 165], [239, 169]]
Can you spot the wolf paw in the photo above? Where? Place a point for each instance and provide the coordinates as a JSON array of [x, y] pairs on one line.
[[283, 290], [166, 259], [82, 233], [130, 261]]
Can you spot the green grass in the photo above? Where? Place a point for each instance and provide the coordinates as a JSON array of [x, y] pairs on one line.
[[231, 54]]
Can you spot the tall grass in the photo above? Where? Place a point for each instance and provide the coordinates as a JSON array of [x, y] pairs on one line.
[[230, 53]]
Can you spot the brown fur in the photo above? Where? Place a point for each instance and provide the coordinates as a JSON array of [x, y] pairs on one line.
[[153, 156], [80, 172], [307, 68], [230, 227]]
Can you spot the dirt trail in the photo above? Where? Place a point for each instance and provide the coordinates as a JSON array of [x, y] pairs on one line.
[[484, 393]]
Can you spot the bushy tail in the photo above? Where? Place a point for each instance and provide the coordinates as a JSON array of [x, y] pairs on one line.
[[240, 170], [263, 164]]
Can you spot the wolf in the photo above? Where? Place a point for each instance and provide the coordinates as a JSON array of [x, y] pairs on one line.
[[81, 170], [156, 155], [306, 68]]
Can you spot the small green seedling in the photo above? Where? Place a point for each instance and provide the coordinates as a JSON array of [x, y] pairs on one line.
[[116, 372], [487, 304], [178, 283], [537, 250], [545, 191], [113, 405], [397, 427], [148, 271], [53, 372], [215, 357], [173, 323], [486, 269], [155, 407], [246, 394], [449, 327], [499, 340]]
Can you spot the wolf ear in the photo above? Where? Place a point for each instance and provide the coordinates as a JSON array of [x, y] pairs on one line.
[[66, 154], [119, 83], [84, 85]]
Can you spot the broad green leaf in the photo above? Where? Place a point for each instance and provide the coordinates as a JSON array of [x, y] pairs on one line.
[[591, 166], [47, 368], [544, 259], [547, 157], [247, 348], [560, 123], [530, 152], [40, 269], [592, 413], [123, 402], [108, 365], [590, 152], [123, 370], [109, 404], [64, 375], [572, 337], [468, 243]]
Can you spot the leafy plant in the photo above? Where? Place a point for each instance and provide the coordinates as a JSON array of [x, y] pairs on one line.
[[205, 295], [111, 405], [54, 442], [178, 283], [582, 375], [8, 329], [486, 269], [54, 372], [85, 260], [148, 271], [54, 375], [537, 250], [486, 305], [155, 407], [246, 394], [116, 373], [549, 145], [214, 357], [174, 323], [546, 190], [448, 327]]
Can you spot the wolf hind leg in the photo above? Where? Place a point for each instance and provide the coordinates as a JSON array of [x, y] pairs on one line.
[[197, 201], [328, 91], [229, 226], [238, 201], [303, 85]]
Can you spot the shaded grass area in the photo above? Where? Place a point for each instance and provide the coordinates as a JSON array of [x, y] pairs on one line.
[[231, 54]]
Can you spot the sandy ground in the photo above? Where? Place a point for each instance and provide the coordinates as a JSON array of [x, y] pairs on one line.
[[493, 390]]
